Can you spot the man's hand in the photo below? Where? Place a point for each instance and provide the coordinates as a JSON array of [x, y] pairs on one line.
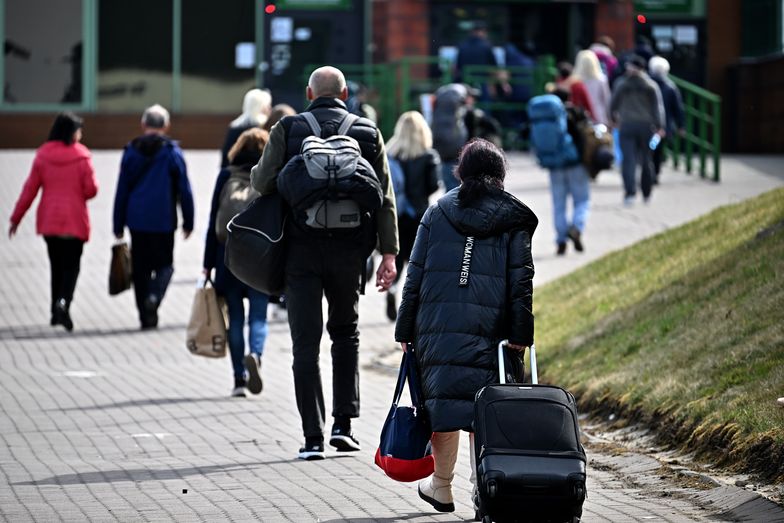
[[518, 348], [404, 345], [385, 276], [12, 229]]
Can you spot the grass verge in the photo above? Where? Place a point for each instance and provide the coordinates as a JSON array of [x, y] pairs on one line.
[[683, 331]]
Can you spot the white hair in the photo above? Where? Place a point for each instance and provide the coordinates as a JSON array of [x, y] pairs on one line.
[[256, 107], [155, 117], [659, 66], [412, 137], [586, 66]]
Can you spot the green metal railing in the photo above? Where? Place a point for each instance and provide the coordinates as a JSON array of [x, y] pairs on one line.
[[396, 87], [702, 134], [532, 78], [379, 80]]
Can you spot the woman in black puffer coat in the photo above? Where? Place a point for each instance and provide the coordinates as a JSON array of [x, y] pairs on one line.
[[469, 286]]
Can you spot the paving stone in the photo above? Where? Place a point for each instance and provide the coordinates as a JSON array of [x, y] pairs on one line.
[[111, 423]]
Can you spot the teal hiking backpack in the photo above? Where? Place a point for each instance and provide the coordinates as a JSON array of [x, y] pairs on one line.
[[550, 138]]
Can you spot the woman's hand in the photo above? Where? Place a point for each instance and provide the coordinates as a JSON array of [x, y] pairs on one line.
[[404, 345], [518, 348], [12, 229]]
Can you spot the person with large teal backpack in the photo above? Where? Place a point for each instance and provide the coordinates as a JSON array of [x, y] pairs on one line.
[[556, 144]]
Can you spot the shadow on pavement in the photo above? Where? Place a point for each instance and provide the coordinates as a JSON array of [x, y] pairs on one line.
[[146, 403], [139, 475], [405, 517], [41, 332]]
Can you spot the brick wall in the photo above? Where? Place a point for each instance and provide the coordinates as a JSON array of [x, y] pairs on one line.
[[615, 18], [401, 28], [112, 131]]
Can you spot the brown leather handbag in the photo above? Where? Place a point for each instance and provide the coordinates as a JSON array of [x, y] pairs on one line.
[[120, 268]]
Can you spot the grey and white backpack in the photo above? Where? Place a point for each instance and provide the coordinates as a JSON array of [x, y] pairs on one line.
[[329, 185]]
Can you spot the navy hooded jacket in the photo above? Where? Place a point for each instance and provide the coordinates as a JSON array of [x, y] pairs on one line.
[[469, 285], [153, 179]]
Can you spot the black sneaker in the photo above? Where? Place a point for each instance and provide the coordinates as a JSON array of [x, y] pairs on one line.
[[62, 316], [150, 312], [574, 235], [312, 452], [561, 249], [391, 306], [343, 440], [253, 366]]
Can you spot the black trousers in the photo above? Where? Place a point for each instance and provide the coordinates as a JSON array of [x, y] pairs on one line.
[[152, 263], [634, 138], [658, 158], [407, 228], [65, 255], [317, 268]]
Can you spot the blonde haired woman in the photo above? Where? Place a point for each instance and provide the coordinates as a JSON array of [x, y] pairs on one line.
[[256, 108], [414, 166], [588, 70]]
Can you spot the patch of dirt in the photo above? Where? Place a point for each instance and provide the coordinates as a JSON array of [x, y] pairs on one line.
[[614, 437]]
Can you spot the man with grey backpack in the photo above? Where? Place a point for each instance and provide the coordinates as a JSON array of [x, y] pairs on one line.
[[331, 168]]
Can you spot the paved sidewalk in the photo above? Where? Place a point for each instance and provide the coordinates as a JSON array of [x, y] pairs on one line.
[[110, 423]]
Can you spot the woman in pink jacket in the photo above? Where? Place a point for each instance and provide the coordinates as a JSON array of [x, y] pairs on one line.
[[63, 169]]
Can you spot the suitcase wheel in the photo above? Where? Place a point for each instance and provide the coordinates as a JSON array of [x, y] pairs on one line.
[[492, 488]]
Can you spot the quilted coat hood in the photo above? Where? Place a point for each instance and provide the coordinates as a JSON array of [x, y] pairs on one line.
[[496, 212]]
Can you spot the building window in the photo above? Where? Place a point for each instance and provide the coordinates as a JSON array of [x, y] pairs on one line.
[[134, 54], [218, 55], [43, 52]]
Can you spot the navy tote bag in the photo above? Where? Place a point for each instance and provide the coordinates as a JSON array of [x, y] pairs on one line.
[[404, 452]]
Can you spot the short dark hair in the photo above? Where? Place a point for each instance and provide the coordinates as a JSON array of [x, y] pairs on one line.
[[481, 165], [64, 127]]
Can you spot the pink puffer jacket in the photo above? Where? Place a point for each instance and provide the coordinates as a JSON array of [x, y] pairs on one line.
[[66, 175]]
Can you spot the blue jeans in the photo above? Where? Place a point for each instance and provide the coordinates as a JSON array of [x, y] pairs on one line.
[[564, 182], [448, 176], [234, 292]]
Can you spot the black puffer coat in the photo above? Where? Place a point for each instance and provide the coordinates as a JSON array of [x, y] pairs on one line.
[[469, 285]]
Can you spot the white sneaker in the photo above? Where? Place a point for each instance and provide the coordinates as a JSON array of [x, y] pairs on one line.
[[628, 201], [780, 402]]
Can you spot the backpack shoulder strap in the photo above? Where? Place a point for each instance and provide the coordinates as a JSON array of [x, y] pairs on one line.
[[312, 123], [348, 120]]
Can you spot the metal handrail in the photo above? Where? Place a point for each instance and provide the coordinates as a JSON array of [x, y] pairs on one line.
[[702, 109]]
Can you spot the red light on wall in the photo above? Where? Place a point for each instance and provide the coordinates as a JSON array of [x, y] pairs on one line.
[[641, 19], [269, 9]]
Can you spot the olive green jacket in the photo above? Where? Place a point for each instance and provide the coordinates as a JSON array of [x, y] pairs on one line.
[[264, 178]]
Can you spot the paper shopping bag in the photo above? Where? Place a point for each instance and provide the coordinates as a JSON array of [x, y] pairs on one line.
[[206, 332]]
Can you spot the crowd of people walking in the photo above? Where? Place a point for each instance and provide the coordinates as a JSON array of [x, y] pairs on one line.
[[471, 249]]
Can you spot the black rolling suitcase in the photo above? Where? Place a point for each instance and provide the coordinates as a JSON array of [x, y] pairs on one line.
[[530, 463]]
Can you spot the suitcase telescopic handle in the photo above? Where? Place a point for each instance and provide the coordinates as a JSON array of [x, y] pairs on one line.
[[502, 366]]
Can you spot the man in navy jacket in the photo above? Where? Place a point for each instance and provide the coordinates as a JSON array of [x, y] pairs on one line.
[[153, 181]]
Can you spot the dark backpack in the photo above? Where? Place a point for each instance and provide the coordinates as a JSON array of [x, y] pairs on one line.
[[550, 139], [235, 196], [329, 185], [448, 121]]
